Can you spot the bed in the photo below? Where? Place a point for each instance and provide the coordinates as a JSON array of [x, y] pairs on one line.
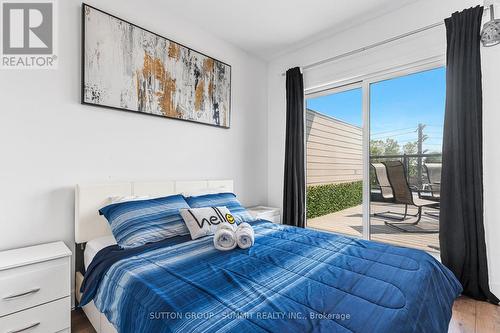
[[293, 280]]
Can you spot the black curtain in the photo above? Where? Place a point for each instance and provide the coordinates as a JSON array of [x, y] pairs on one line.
[[294, 182], [461, 234]]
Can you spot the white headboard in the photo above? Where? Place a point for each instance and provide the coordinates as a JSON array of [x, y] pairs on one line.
[[90, 198]]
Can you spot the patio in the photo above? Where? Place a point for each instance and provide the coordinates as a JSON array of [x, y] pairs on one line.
[[348, 222]]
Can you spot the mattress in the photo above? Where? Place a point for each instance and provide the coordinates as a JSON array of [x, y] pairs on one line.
[[94, 246], [292, 279]]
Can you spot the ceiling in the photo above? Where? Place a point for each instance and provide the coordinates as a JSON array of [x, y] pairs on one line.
[[268, 28]]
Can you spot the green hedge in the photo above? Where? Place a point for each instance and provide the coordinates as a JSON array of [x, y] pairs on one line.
[[326, 199]]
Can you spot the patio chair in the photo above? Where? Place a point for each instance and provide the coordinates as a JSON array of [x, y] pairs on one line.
[[403, 194], [383, 181], [431, 190], [386, 193]]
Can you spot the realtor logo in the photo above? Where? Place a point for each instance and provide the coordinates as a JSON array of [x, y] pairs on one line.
[[28, 31]]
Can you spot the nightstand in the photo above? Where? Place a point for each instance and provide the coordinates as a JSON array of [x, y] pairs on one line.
[[266, 213], [35, 289]]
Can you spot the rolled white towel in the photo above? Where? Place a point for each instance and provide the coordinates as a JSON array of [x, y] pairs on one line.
[[225, 237], [245, 236], [228, 226]]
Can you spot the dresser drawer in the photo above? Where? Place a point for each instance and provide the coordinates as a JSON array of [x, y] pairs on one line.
[[46, 318], [27, 286]]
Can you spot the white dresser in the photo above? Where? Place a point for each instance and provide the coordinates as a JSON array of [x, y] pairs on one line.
[[35, 289], [266, 213]]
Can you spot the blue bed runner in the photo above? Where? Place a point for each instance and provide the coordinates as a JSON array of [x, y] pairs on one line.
[[291, 280]]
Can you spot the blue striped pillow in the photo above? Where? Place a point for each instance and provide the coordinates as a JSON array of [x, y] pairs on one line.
[[222, 199], [134, 223]]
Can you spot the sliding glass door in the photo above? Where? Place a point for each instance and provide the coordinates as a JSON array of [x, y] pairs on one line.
[[406, 121], [374, 157], [334, 142]]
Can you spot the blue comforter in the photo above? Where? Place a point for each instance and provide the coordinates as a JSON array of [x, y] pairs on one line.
[[291, 280]]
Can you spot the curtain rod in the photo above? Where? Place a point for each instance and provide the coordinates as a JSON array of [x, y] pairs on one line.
[[371, 46]]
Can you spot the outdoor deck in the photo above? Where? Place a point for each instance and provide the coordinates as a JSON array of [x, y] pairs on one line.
[[348, 222]]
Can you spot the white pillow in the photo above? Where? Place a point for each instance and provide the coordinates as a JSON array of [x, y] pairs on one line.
[[204, 221], [124, 198], [205, 191]]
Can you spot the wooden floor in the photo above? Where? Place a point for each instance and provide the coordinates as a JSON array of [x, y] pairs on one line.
[[349, 222], [80, 323], [469, 316]]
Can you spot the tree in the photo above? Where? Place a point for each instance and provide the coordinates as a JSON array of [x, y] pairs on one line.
[[377, 148], [410, 148], [391, 147], [387, 147]]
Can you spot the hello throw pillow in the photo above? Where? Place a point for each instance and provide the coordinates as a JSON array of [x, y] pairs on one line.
[[204, 221]]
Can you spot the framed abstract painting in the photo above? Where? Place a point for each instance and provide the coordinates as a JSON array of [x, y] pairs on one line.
[[129, 68]]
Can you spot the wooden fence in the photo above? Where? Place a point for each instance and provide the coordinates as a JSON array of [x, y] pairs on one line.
[[334, 150]]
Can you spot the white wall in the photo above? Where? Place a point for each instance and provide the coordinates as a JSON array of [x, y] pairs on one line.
[[491, 154], [427, 44], [49, 141]]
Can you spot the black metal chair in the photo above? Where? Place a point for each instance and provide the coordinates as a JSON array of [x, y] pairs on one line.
[[387, 193], [403, 195]]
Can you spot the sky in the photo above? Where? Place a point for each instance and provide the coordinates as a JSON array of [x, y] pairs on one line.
[[397, 106]]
